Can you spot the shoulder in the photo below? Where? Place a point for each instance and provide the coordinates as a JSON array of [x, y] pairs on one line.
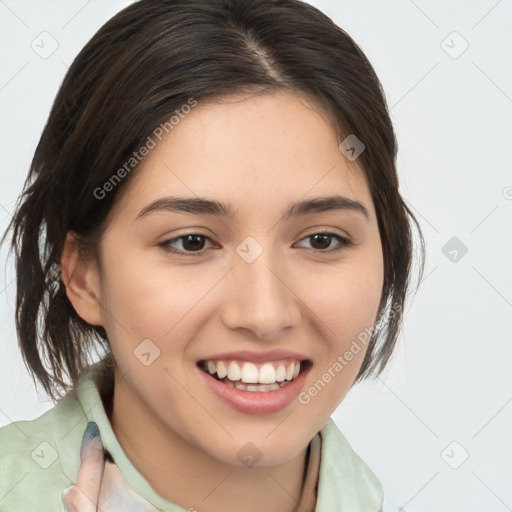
[[345, 479], [31, 457], [337, 449]]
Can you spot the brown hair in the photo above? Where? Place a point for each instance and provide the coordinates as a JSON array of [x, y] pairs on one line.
[[139, 68]]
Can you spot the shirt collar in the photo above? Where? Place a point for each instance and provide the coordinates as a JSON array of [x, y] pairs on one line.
[[346, 483]]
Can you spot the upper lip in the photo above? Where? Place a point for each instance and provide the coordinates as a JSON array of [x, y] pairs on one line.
[[257, 357]]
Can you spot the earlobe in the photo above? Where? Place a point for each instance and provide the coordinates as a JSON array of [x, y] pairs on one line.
[[81, 280]]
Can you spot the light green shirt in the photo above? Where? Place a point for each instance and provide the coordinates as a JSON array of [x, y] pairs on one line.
[[40, 458]]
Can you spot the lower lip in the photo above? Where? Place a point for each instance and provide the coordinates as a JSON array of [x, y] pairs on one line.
[[256, 402]]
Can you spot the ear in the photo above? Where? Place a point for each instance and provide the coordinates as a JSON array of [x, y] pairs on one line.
[[81, 280]]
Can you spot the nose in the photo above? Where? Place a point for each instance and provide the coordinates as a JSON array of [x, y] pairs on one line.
[[261, 298]]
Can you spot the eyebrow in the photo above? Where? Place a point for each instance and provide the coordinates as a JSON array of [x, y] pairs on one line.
[[203, 206]]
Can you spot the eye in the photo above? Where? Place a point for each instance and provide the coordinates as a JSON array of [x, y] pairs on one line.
[[322, 241], [192, 244]]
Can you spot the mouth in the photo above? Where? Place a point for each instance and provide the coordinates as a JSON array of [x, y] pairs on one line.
[[255, 377]]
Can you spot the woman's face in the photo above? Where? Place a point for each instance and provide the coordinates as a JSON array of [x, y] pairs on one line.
[[253, 291]]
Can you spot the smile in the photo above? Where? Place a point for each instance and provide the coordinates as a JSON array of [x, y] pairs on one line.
[[248, 376], [255, 387]]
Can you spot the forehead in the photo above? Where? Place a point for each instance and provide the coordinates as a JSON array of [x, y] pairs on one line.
[[253, 151]]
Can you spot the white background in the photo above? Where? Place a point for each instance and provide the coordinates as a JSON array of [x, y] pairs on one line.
[[447, 394]]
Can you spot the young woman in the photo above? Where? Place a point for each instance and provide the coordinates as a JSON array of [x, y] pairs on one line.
[[214, 204]]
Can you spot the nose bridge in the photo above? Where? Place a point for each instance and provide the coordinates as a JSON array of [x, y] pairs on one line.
[[261, 301]]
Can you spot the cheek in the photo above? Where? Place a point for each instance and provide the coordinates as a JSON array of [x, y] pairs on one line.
[[157, 302], [347, 299], [348, 313], [346, 303], [148, 298]]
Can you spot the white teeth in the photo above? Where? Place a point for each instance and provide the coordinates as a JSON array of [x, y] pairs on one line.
[[248, 373], [267, 374], [234, 372], [280, 373], [262, 387], [253, 387], [222, 371]]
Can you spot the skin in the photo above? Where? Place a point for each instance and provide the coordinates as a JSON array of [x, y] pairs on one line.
[[259, 153]]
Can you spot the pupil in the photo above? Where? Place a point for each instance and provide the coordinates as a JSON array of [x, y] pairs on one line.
[[196, 240], [324, 238]]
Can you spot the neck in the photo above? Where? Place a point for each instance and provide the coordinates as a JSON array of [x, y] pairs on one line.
[[192, 479]]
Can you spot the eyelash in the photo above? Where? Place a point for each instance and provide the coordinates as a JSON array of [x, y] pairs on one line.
[[165, 245]]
